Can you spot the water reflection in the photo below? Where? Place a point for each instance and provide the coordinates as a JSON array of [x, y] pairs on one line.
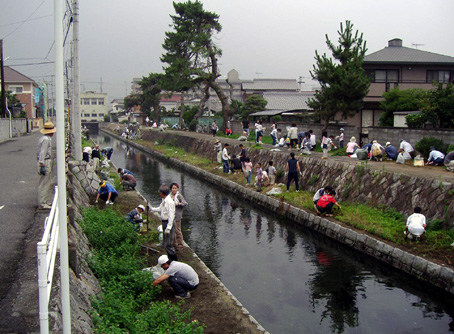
[[291, 279]]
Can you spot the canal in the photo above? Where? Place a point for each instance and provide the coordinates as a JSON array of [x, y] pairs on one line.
[[291, 279]]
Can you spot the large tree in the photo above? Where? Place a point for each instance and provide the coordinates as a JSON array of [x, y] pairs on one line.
[[254, 103], [191, 55], [150, 96], [342, 79]]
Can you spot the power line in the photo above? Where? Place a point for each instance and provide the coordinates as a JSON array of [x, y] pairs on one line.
[[25, 20], [36, 18], [41, 63]]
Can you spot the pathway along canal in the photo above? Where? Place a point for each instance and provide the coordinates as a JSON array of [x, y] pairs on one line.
[[291, 279]]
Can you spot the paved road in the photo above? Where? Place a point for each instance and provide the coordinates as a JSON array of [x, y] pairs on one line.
[[21, 226]]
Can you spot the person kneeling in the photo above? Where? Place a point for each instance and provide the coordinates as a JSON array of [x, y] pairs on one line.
[[182, 277], [326, 203]]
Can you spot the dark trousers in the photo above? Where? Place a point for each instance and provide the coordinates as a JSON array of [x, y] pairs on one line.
[[225, 166], [292, 176], [85, 157], [327, 209], [109, 154], [181, 286], [105, 196], [127, 185], [168, 241]]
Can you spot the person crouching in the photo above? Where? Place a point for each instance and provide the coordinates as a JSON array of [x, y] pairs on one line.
[[182, 277]]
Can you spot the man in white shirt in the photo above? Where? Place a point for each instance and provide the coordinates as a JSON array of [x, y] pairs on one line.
[[181, 277], [416, 224], [167, 212], [225, 159], [407, 148], [436, 158]]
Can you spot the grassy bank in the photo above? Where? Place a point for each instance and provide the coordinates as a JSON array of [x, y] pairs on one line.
[[379, 221], [128, 301]]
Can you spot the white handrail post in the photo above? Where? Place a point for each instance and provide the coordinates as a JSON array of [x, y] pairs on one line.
[[61, 170], [42, 284]]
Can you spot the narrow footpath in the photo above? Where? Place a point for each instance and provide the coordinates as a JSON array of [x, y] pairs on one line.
[[22, 225]]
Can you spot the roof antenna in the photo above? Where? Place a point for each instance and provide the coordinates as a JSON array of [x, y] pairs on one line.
[[416, 45]]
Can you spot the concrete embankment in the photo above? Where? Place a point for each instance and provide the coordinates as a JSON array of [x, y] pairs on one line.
[[358, 183]]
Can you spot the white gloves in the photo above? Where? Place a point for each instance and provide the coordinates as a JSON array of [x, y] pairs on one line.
[[96, 201], [107, 202]]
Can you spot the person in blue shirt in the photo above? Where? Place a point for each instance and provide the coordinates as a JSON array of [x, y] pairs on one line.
[[106, 192], [122, 171], [391, 151], [436, 158]]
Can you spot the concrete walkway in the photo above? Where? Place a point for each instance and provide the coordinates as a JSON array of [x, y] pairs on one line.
[[21, 226]]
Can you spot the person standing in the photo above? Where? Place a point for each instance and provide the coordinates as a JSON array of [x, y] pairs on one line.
[[96, 156], [245, 124], [180, 204], [293, 135], [341, 138], [325, 144], [182, 277], [242, 155], [44, 157], [225, 159], [214, 128], [273, 135], [218, 150], [167, 212], [272, 173], [292, 169], [248, 171], [259, 176]]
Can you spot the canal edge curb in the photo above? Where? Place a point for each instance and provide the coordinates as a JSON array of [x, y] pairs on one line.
[[416, 266]]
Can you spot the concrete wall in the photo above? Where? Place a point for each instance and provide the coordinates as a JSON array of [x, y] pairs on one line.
[[19, 127], [430, 272]]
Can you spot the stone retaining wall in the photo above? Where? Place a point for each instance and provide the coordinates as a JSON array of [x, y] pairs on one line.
[[430, 272]]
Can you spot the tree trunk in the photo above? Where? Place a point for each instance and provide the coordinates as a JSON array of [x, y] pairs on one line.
[[180, 119], [203, 100], [156, 113]]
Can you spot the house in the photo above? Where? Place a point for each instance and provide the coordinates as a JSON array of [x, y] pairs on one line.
[[93, 106], [403, 67], [24, 89], [262, 86]]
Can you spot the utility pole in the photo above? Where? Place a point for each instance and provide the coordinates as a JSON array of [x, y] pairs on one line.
[[75, 119], [100, 84], [3, 80]]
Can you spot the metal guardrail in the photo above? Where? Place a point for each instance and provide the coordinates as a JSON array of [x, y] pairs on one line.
[[47, 251]]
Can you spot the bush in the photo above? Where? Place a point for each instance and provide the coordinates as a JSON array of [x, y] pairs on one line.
[[423, 146], [415, 121], [193, 125], [276, 118]]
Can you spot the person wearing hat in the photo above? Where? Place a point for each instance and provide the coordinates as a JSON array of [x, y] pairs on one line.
[[218, 150], [44, 157], [391, 151], [436, 158], [352, 146], [341, 138], [135, 216], [106, 192], [182, 277]]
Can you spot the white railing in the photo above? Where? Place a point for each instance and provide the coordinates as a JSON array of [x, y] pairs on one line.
[[47, 252]]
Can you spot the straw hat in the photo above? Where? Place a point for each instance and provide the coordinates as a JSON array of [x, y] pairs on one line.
[[49, 128], [217, 141]]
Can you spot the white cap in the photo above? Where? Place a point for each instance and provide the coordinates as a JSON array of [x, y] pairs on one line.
[[141, 207], [341, 129], [163, 259], [388, 143]]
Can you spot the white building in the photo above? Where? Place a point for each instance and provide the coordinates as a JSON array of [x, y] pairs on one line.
[[93, 106]]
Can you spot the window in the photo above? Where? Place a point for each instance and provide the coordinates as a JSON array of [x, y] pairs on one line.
[[443, 76], [94, 101], [101, 102], [86, 101], [101, 115], [386, 76], [94, 115], [16, 89], [86, 115]]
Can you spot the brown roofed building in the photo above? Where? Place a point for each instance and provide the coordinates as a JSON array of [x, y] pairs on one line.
[[24, 88]]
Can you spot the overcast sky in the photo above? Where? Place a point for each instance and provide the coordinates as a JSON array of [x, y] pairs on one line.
[[120, 40]]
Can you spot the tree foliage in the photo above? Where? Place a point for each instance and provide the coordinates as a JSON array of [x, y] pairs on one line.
[[254, 103], [437, 108], [191, 55], [342, 80], [400, 100]]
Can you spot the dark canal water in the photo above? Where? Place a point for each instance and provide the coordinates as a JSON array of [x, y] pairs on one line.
[[291, 280]]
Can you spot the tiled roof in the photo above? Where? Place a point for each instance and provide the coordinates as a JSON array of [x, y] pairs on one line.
[[271, 84], [12, 75], [401, 54], [287, 101]]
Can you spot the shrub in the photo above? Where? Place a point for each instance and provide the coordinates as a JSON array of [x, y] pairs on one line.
[[415, 121], [193, 125], [423, 146], [276, 118]]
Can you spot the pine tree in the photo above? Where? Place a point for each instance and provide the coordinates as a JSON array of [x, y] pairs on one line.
[[342, 80]]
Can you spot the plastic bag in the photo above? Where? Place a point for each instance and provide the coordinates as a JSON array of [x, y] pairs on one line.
[[400, 159], [157, 271], [361, 154], [418, 161], [305, 150]]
